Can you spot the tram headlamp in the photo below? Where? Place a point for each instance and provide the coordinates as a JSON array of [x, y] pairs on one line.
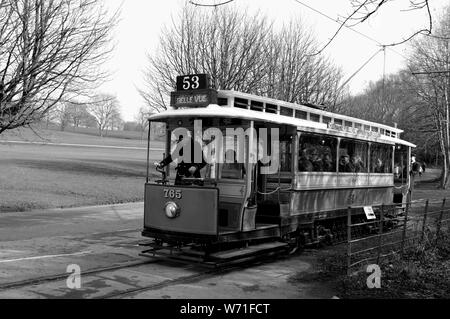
[[172, 210]]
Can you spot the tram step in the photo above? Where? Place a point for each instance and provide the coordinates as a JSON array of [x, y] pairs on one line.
[[248, 251]]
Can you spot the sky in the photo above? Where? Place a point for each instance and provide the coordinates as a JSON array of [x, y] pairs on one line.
[[139, 29]]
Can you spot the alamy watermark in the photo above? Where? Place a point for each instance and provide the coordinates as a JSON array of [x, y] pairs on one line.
[[74, 279], [374, 279], [229, 148]]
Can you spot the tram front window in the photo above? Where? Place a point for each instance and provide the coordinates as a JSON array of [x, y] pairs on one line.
[[196, 151]]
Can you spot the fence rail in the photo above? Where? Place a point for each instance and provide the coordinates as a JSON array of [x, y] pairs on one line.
[[396, 228]]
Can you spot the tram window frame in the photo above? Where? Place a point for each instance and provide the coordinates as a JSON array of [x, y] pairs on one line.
[[338, 122], [271, 108], [326, 119], [286, 111], [241, 103], [348, 124], [233, 170], [221, 101], [310, 145], [301, 114], [384, 153], [401, 164], [314, 117], [349, 152], [256, 106]]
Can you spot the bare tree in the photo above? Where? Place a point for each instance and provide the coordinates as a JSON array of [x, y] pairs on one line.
[[104, 108], [295, 75], [116, 122], [227, 44], [48, 51], [363, 10], [431, 60], [243, 53], [62, 111], [142, 120]]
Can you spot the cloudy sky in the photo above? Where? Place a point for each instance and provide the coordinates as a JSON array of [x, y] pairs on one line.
[[141, 21]]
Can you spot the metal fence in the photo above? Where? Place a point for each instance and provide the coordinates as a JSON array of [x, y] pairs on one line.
[[395, 228]]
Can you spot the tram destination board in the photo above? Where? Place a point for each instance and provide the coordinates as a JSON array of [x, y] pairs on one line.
[[190, 99], [193, 91]]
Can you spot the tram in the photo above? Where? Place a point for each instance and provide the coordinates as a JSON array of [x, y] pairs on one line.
[[275, 171]]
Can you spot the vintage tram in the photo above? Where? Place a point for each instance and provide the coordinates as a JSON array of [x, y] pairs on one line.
[[316, 165]]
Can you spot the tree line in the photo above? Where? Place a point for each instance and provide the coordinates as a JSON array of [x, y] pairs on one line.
[[245, 53], [416, 98]]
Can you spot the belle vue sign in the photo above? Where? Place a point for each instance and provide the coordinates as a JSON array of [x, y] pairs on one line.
[[193, 91]]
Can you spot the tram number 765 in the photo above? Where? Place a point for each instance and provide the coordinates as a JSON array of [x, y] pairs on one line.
[[173, 193]]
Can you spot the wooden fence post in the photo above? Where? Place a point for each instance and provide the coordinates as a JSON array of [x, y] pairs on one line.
[[424, 221], [349, 239], [405, 224], [438, 227], [380, 234]]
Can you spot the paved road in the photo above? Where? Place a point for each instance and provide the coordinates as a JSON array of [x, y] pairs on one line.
[[44, 243]]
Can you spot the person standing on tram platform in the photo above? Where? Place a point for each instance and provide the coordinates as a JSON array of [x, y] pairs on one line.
[[184, 169]]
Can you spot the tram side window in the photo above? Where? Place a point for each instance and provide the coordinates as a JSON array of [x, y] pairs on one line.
[[317, 153], [353, 157], [380, 158], [233, 166], [401, 164], [285, 155]]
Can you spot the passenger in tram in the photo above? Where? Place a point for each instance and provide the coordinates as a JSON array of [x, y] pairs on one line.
[[328, 163], [304, 162], [378, 167], [316, 161], [345, 166], [358, 164]]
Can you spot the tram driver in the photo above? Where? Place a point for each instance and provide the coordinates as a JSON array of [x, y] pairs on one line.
[[185, 170]]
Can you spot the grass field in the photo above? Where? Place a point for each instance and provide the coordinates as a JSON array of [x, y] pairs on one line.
[[50, 176], [55, 136]]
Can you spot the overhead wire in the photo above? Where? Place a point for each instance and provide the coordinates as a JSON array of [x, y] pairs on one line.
[[350, 28]]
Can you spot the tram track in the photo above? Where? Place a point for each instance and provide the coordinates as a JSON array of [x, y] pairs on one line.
[[58, 277], [207, 272]]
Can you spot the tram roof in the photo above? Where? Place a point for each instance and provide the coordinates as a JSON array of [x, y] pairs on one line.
[[214, 110]]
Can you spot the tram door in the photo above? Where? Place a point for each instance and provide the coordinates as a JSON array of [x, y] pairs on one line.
[[274, 178]]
